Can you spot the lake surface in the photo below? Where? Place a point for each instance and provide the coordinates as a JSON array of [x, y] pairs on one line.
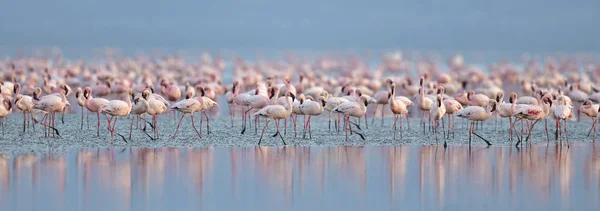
[[305, 178]]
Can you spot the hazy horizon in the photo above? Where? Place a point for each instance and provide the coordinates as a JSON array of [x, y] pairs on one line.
[[512, 25]]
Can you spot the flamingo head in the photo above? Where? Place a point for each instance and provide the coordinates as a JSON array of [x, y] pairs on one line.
[[587, 103], [365, 100], [8, 103], [200, 88], [17, 88], [421, 81], [493, 105], [290, 94], [146, 93], [499, 96], [464, 84], [441, 90], [286, 80], [323, 101], [512, 98], [470, 94], [439, 100]]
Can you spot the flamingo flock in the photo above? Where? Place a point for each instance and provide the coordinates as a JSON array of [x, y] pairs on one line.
[[556, 89]]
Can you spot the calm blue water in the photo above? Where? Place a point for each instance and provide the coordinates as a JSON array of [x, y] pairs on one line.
[[305, 178]]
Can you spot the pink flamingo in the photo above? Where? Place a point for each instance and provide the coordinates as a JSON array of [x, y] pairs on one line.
[[311, 108], [51, 104], [188, 106], [477, 113], [563, 112], [592, 111], [23, 103], [116, 108], [533, 113], [352, 109], [398, 107], [93, 105], [276, 112]]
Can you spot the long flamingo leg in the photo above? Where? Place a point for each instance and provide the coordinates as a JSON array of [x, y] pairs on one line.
[[207, 122], [395, 120], [263, 132], [178, 124], [194, 126]]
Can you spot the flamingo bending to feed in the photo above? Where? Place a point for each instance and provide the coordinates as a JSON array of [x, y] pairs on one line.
[[477, 114], [276, 112], [187, 106], [51, 104], [352, 109], [311, 108], [533, 113], [116, 108], [592, 111]]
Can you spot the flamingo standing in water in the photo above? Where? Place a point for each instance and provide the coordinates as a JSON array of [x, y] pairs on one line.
[[330, 104], [156, 105], [533, 113], [140, 106], [116, 108], [51, 104], [477, 114], [505, 110], [206, 104], [436, 114], [592, 111], [5, 110], [382, 98], [23, 103], [398, 107], [311, 108], [256, 101], [424, 102], [188, 106], [563, 112], [276, 112], [93, 105], [81, 103], [352, 109]]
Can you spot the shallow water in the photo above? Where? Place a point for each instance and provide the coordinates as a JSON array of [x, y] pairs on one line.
[[541, 177]]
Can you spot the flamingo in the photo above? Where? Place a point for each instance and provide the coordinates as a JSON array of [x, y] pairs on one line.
[[230, 97], [23, 103], [381, 98], [563, 112], [352, 109], [505, 110], [424, 102], [276, 112], [93, 105], [533, 113], [591, 110], [206, 104], [81, 103], [257, 101], [477, 114], [330, 104], [51, 104], [138, 109], [398, 107], [5, 110], [156, 105], [116, 108], [437, 113], [187, 106], [311, 108]]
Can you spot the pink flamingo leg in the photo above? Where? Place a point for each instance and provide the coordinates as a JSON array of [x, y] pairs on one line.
[[175, 134]]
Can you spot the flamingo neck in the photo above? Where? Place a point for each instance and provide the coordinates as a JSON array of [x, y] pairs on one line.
[[289, 102]]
